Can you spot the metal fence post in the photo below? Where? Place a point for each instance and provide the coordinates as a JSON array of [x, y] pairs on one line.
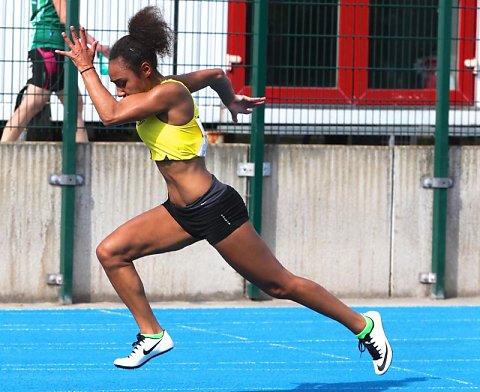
[[69, 165], [259, 66], [441, 147]]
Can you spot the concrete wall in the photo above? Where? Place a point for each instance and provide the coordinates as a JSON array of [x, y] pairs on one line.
[[29, 221], [353, 218]]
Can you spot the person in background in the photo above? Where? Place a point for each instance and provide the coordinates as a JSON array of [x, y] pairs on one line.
[[199, 206], [48, 22]]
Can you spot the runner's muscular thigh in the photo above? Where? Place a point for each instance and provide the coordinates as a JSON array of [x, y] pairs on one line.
[[152, 232], [249, 255]]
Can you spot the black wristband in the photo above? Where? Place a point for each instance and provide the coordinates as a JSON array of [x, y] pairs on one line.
[[87, 69]]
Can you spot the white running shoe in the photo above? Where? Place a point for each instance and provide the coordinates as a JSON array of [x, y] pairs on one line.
[[377, 344], [145, 349]]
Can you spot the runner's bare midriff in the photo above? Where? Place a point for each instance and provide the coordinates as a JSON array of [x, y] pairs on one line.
[[186, 181]]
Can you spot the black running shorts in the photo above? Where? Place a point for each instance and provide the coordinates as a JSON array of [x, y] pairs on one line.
[[214, 216], [47, 69]]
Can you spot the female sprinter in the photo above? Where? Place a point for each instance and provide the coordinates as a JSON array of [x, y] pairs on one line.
[[198, 206]]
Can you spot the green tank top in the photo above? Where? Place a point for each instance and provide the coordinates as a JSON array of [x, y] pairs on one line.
[[47, 29]]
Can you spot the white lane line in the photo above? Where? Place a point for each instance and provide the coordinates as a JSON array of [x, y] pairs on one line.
[[243, 338], [430, 375]]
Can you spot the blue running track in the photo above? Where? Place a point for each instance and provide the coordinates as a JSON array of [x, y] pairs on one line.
[[276, 349]]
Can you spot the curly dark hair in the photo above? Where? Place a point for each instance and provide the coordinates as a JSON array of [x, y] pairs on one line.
[[149, 36]]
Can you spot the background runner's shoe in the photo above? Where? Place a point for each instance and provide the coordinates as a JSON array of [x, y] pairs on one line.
[[377, 344], [145, 349]]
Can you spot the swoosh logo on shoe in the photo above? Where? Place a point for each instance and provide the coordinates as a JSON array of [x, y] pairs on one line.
[[382, 366], [146, 352]]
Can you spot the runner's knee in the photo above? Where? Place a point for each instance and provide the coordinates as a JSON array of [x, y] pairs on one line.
[[109, 254], [283, 287]]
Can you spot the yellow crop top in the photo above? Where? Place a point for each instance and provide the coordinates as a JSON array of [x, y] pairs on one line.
[[173, 142]]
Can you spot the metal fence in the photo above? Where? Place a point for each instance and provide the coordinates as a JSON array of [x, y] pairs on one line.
[[333, 67]]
